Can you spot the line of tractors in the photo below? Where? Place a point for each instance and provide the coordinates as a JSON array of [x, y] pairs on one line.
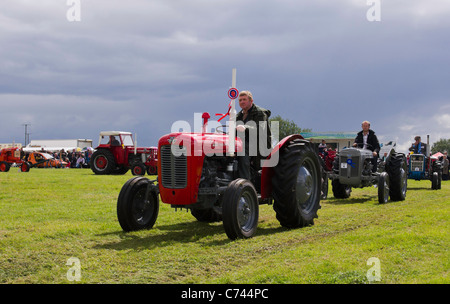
[[209, 185]]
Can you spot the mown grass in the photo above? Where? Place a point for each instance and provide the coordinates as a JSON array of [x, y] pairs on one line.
[[50, 215]]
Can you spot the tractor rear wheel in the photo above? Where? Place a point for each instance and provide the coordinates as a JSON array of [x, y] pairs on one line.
[[397, 169], [297, 184], [137, 208], [434, 181], [102, 162], [4, 166], [240, 209], [383, 188], [324, 188]]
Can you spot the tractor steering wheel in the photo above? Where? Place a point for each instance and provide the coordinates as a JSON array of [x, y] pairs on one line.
[[221, 131], [361, 145]]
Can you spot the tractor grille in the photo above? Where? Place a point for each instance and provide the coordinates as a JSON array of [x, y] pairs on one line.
[[354, 166], [417, 165], [173, 169]]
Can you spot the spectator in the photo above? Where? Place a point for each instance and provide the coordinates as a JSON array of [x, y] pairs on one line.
[[445, 169], [322, 146], [80, 161]]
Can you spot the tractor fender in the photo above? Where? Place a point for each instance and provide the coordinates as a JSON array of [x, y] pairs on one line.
[[268, 165]]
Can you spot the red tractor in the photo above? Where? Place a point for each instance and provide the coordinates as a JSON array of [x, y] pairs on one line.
[[9, 156], [207, 184], [117, 153]]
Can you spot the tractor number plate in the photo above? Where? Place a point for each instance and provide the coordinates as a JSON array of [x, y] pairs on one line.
[[344, 165], [416, 169]]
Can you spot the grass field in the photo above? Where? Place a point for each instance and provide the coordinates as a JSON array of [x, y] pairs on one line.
[[50, 215]]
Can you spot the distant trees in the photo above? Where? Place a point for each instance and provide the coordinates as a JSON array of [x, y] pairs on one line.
[[441, 145], [287, 127]]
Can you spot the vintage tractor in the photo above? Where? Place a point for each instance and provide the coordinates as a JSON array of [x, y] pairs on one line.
[[9, 156], [198, 171], [326, 161], [117, 153], [352, 167], [421, 166]]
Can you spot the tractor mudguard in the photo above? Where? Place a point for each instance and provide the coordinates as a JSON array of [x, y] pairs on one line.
[[268, 164]]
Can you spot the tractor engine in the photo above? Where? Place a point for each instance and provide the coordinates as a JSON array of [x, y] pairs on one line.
[[198, 173], [355, 167]]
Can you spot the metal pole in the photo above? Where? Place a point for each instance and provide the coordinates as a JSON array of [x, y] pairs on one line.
[[232, 121]]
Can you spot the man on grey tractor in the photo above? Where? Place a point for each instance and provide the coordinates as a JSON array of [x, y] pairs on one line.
[[367, 139]]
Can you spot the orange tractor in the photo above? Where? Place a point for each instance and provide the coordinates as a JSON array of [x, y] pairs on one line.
[[9, 156]]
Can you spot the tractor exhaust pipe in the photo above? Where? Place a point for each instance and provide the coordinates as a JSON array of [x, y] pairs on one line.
[[135, 143], [232, 120]]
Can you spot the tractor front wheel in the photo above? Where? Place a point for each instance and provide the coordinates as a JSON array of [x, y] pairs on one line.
[[25, 167], [138, 169], [152, 170], [137, 205], [383, 188], [397, 169], [240, 209], [340, 190]]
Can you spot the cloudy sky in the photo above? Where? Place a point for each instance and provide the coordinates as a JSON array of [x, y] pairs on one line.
[[141, 65]]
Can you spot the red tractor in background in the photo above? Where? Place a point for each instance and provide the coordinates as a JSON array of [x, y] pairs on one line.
[[9, 156], [190, 176], [117, 153], [326, 159]]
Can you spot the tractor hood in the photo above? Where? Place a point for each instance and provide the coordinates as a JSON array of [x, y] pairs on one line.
[[201, 143]]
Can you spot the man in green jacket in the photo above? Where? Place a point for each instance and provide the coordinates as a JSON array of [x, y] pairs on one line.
[[252, 125]]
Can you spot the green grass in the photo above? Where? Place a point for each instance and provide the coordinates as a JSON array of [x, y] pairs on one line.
[[50, 215]]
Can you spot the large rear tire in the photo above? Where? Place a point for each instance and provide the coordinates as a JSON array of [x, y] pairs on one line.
[[102, 162], [297, 184], [240, 209], [397, 170], [4, 166], [324, 188], [135, 211], [434, 181]]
